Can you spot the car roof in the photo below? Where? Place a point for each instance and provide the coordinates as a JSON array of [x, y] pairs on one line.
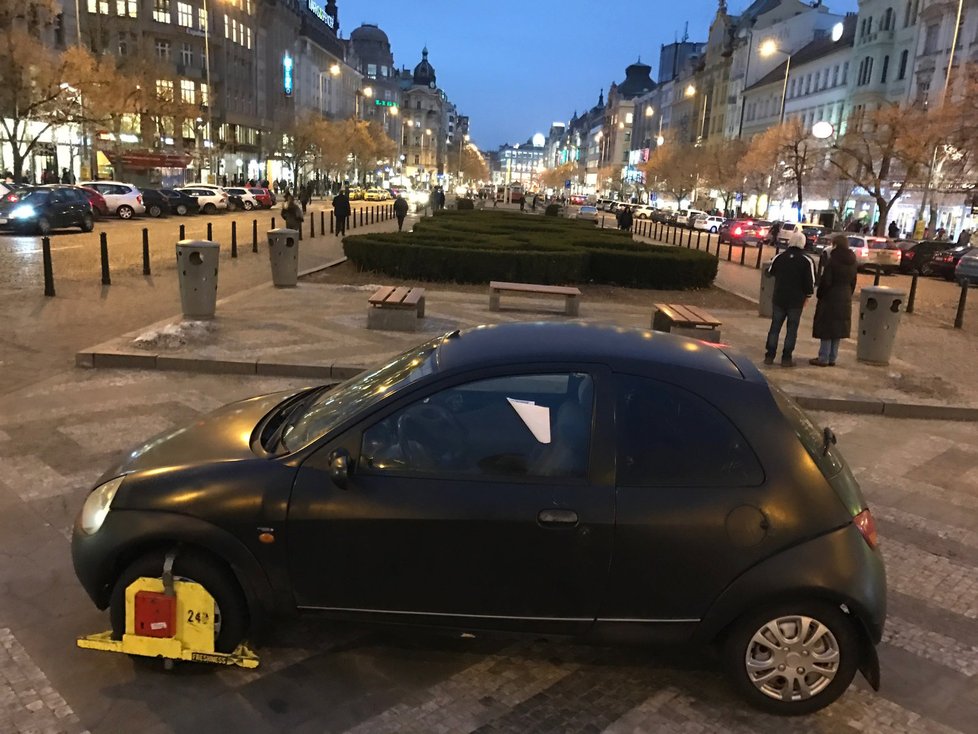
[[540, 342]]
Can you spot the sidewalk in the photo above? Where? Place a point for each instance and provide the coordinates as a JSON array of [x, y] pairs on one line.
[[319, 331]]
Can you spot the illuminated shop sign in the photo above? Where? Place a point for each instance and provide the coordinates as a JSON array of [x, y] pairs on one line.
[[318, 8]]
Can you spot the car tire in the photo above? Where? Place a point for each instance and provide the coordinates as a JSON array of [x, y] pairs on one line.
[[713, 230], [87, 223], [230, 606], [248, 206], [759, 639], [125, 212], [155, 211], [43, 226], [211, 209], [182, 210], [949, 276]]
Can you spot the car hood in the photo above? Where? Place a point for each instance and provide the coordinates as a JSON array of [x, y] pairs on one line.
[[223, 435]]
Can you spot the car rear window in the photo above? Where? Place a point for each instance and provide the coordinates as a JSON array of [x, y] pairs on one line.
[[882, 245], [830, 461]]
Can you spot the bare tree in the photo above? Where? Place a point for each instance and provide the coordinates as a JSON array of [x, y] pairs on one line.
[[790, 154], [884, 150], [675, 169], [720, 168]]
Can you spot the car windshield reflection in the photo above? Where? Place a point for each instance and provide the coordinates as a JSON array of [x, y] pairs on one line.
[[335, 406]]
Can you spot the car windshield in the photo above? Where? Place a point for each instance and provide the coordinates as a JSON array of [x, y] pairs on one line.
[[331, 408]]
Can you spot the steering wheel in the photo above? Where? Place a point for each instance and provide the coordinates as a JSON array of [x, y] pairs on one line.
[[430, 436]]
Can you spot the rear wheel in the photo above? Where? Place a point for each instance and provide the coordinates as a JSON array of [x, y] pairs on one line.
[[181, 209], [792, 658], [155, 210], [230, 607]]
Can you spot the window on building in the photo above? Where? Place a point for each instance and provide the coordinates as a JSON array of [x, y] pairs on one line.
[[930, 38], [204, 95], [187, 55], [835, 75], [869, 70], [417, 159], [869, 25], [127, 8], [187, 92], [372, 71], [164, 89], [887, 19], [100, 7], [162, 48], [248, 38], [886, 68], [188, 129], [923, 91], [161, 11], [201, 19], [185, 15], [123, 44], [227, 26], [808, 83], [903, 64], [906, 14], [915, 12], [628, 118], [845, 72]]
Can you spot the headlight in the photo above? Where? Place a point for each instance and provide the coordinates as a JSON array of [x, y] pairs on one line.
[[97, 505], [24, 211]]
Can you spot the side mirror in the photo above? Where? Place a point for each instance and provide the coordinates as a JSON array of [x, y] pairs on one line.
[[339, 467]]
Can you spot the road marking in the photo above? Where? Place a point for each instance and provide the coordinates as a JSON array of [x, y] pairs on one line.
[[53, 249]]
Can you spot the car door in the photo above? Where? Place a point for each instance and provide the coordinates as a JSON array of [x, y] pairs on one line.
[[59, 209], [479, 500], [683, 471]]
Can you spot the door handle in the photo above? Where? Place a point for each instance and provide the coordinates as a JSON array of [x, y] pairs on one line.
[[557, 517]]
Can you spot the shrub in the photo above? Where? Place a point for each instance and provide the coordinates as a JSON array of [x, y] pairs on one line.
[[552, 210], [464, 204], [477, 246]]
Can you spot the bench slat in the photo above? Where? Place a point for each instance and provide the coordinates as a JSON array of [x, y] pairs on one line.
[[399, 294], [381, 294], [703, 316], [557, 290], [412, 298]]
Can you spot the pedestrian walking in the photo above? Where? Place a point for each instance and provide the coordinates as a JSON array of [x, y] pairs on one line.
[[341, 211], [305, 196], [292, 213], [964, 237], [833, 312], [400, 211], [441, 198], [794, 282], [66, 177], [536, 198], [624, 217], [893, 230]]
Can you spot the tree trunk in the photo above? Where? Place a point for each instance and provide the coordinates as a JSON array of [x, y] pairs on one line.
[[801, 209], [883, 206]]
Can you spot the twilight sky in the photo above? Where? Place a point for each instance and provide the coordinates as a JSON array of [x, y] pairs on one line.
[[515, 66]]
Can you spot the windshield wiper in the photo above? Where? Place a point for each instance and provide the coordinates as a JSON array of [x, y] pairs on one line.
[[297, 408]]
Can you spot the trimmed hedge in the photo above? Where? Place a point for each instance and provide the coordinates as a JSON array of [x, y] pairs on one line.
[[475, 247], [464, 204]]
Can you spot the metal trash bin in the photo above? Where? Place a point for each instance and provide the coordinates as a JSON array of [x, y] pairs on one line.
[[879, 316], [197, 263], [283, 253], [765, 300]]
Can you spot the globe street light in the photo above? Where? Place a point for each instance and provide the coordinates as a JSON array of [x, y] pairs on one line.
[[769, 48]]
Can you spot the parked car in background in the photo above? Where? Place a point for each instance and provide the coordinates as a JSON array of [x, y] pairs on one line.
[[966, 271], [100, 207], [376, 194], [643, 211], [11, 191], [691, 216], [242, 199], [916, 257], [812, 232], [264, 197], [875, 253], [577, 199], [744, 231], [498, 467], [709, 223], [122, 199], [180, 203], [587, 212], [156, 203], [209, 200], [42, 209], [945, 261]]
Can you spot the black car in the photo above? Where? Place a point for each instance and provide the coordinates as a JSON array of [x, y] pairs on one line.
[[547, 478], [42, 209], [916, 257], [157, 205], [945, 261], [180, 203]]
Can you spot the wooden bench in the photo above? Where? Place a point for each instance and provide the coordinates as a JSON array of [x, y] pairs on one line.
[[572, 296], [396, 308], [686, 321]]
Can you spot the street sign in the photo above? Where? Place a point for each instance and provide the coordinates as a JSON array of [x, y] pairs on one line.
[[385, 103], [567, 184]]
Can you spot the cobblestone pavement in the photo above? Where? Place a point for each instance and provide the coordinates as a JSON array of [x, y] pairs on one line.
[[57, 435]]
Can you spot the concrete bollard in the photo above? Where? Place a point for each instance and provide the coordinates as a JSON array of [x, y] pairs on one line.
[[283, 254], [197, 266]]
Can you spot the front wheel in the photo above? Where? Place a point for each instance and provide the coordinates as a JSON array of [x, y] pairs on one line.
[[713, 230], [125, 212], [793, 658], [182, 209], [87, 223], [211, 209], [230, 607], [248, 206]]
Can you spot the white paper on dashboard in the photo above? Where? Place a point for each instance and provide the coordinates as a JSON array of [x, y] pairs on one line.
[[536, 417]]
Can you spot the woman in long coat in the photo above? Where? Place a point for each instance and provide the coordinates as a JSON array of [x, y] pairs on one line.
[[833, 312]]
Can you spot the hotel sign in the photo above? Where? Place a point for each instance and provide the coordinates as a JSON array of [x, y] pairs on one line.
[[318, 8]]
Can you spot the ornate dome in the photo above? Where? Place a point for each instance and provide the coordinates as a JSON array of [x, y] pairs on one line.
[[371, 33], [424, 73], [637, 80]]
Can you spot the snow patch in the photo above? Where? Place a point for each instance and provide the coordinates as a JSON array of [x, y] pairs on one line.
[[174, 336]]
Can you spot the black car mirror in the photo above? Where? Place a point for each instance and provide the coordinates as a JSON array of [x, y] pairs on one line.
[[339, 467]]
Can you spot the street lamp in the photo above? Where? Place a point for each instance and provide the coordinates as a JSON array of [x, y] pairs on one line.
[[690, 90], [333, 71], [769, 48]]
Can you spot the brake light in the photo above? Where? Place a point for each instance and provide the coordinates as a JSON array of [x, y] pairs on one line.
[[867, 526], [738, 230], [865, 251], [908, 254], [139, 198]]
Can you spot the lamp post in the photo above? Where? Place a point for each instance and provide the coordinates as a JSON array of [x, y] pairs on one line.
[[769, 48], [209, 130]]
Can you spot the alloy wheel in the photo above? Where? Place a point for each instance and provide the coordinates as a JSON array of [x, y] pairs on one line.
[[792, 658]]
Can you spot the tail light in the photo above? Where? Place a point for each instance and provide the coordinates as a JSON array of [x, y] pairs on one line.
[[867, 526], [139, 198], [865, 251], [908, 254]]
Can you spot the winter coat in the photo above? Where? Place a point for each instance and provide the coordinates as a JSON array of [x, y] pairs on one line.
[[833, 312], [400, 207], [293, 216], [341, 205], [794, 278]]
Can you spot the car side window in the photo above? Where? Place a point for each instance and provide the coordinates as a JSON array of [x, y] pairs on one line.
[[58, 197], [514, 426], [668, 436]]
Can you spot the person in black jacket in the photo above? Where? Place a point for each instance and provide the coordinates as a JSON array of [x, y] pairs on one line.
[[341, 211], [400, 211], [833, 312], [794, 281]]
